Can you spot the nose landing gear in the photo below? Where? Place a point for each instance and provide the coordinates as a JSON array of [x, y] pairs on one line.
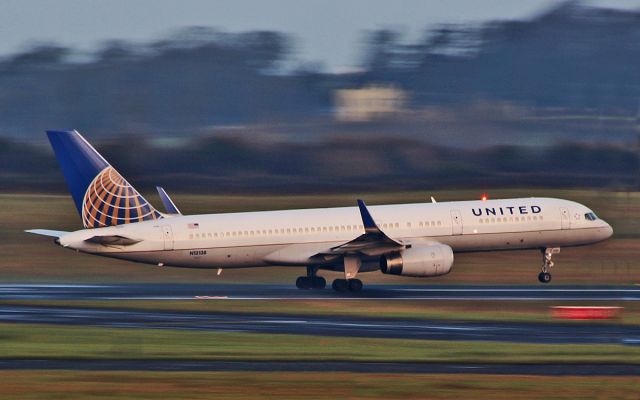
[[547, 254]]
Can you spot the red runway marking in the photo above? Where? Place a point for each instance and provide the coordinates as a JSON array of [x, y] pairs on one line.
[[585, 312]]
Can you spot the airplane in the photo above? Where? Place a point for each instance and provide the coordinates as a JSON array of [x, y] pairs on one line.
[[413, 240]]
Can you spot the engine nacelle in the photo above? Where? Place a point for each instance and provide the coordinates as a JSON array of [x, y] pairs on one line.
[[419, 261]]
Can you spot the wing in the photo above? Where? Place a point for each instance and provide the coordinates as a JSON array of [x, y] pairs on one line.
[[373, 242]]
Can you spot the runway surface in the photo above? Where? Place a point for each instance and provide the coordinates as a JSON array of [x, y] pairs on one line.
[[289, 292], [367, 327], [340, 366], [325, 325]]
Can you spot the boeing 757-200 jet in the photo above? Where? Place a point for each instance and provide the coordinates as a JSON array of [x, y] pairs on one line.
[[416, 240]]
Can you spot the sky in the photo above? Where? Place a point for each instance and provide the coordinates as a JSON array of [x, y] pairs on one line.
[[326, 31]]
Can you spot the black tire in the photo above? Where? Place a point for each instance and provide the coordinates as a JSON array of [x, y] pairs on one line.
[[319, 282], [303, 282], [355, 285], [544, 277], [340, 285]]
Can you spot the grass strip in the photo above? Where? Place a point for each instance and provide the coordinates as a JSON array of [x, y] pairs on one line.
[[326, 385], [51, 342]]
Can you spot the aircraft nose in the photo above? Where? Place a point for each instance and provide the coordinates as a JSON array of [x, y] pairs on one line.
[[607, 231]]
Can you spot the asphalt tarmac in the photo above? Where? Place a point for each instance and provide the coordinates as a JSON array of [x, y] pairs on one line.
[[340, 366], [365, 327], [320, 325], [289, 292]]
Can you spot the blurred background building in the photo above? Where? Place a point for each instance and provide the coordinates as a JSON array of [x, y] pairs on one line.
[[369, 103], [552, 99]]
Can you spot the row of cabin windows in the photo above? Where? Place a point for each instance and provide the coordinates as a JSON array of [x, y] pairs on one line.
[[282, 231], [510, 219], [424, 224]]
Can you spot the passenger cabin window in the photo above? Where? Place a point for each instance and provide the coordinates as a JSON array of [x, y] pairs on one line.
[[590, 216]]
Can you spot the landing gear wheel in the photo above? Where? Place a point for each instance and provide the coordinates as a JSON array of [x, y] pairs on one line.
[[544, 277], [355, 285], [303, 282], [340, 285], [343, 285], [311, 281], [319, 282]]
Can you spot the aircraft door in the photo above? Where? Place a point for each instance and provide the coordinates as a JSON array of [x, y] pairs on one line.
[[565, 217], [456, 222], [167, 235]]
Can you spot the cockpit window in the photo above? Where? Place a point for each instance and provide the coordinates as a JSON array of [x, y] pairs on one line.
[[590, 216]]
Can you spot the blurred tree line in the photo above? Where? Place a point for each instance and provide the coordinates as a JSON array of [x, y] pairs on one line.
[[197, 78], [572, 56], [234, 164]]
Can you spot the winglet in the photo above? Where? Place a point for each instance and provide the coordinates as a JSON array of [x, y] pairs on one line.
[[370, 225], [169, 205]]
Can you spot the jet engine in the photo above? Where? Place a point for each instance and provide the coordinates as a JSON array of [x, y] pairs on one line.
[[421, 261]]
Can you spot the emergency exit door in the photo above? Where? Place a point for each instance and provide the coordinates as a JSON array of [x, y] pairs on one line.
[[167, 234], [456, 222], [565, 217]]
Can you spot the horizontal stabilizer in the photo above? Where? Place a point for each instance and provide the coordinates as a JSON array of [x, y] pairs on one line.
[[169, 205], [113, 240], [47, 232]]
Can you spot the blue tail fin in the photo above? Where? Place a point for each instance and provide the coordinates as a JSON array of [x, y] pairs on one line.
[[102, 196]]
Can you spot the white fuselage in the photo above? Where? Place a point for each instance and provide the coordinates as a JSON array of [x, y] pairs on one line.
[[293, 237]]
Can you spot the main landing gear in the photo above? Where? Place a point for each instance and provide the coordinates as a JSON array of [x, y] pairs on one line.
[[349, 283], [352, 265], [343, 285], [547, 253], [311, 281]]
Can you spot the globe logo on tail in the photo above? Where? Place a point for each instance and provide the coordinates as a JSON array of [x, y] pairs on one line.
[[110, 200]]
